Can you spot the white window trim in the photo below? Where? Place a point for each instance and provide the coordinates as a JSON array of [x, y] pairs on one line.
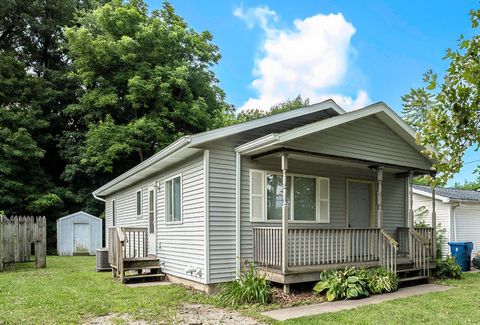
[[136, 203], [179, 222], [291, 207]]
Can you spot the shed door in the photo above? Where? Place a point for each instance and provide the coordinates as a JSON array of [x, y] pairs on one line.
[[359, 204], [81, 238]]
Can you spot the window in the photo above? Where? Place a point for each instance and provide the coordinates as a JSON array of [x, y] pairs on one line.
[[139, 203], [173, 199], [307, 197], [113, 213]]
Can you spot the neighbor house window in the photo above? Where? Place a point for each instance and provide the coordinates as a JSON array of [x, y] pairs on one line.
[[113, 213], [173, 199], [307, 197], [139, 203]]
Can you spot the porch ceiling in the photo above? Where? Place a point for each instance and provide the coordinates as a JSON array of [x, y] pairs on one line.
[[300, 155]]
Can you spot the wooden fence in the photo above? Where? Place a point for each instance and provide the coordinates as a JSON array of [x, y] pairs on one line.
[[17, 234]]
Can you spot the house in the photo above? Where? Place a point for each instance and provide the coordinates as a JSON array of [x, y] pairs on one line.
[[458, 213], [296, 193], [79, 233]]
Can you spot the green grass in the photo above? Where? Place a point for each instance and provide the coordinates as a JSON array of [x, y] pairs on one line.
[[69, 291]]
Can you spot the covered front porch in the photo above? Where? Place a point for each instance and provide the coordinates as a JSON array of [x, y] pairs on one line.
[[293, 251]]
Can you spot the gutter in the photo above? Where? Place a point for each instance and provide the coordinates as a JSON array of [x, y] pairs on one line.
[[168, 150], [258, 144], [98, 198]]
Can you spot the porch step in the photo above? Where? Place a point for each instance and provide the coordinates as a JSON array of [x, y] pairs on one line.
[[142, 277], [133, 268], [413, 278]]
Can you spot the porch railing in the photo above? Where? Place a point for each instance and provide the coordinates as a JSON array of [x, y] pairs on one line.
[[404, 241], [125, 243], [419, 251], [310, 247], [427, 233]]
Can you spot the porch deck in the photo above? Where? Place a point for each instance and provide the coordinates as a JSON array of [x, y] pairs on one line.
[[311, 251]]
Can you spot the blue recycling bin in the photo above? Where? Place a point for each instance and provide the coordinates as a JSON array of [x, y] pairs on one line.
[[462, 252]]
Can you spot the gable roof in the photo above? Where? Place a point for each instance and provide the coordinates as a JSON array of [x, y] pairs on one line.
[[186, 146], [448, 194], [380, 110], [78, 213]]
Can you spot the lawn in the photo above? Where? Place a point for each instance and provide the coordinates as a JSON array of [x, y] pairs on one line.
[[69, 291]]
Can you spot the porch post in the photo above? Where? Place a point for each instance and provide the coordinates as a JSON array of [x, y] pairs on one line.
[[286, 287], [434, 222], [379, 197], [410, 199]]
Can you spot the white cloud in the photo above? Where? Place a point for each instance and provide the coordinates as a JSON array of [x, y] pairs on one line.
[[308, 60]]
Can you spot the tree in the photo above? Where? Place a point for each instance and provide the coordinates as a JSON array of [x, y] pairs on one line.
[[448, 111], [147, 79], [288, 105]]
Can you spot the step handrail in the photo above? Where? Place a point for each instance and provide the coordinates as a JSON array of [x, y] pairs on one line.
[[419, 247], [388, 251]]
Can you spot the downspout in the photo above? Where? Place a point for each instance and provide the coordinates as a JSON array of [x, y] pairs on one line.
[[454, 207], [98, 198], [238, 264]]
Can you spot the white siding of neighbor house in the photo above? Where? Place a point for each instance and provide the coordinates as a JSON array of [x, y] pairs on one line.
[[367, 138], [178, 245], [468, 224], [393, 196], [443, 216]]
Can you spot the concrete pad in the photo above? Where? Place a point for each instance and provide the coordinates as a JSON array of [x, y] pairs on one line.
[[148, 284], [331, 307]]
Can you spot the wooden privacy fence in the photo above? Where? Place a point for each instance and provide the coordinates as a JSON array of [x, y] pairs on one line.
[[17, 234]]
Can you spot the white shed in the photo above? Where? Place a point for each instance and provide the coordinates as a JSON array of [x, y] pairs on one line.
[[79, 233], [458, 212]]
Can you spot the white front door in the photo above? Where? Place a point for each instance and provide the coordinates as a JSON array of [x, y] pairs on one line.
[[152, 222], [360, 201]]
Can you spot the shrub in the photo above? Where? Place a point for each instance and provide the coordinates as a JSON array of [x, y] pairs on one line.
[[249, 288], [352, 283], [448, 269], [380, 280]]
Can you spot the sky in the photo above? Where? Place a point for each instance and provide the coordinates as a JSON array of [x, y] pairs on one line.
[[356, 52]]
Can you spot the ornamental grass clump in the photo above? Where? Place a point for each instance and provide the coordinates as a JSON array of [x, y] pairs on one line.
[[354, 283], [249, 288]]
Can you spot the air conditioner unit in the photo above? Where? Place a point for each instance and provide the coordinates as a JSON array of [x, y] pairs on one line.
[[102, 260]]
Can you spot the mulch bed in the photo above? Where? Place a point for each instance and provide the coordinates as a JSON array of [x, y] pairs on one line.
[[295, 298]]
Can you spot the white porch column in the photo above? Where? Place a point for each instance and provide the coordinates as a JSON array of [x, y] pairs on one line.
[[286, 287], [379, 197], [434, 222], [410, 199]]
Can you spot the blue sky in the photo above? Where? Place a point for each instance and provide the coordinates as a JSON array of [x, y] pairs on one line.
[[357, 52]]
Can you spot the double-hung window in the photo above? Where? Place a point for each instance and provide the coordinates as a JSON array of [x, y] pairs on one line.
[[307, 197], [173, 199]]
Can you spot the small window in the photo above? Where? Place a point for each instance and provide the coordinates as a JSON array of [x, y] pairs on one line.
[[139, 203], [113, 213], [173, 199]]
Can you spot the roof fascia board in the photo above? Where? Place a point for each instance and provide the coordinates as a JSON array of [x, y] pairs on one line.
[[78, 213], [428, 194], [173, 147]]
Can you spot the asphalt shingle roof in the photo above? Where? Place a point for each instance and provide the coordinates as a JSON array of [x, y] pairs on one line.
[[452, 193]]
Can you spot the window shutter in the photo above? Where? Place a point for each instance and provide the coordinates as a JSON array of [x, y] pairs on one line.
[[257, 190], [324, 200]]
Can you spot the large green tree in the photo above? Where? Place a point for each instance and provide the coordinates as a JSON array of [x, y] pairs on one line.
[[34, 91], [447, 111], [146, 80]]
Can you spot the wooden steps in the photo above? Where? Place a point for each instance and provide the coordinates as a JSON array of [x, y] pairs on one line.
[[408, 274]]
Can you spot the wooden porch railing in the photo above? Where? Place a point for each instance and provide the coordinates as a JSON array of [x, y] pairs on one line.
[[125, 243], [310, 247], [404, 241], [419, 251], [427, 233]]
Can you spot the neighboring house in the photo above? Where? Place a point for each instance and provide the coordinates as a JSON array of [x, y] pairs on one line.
[[209, 199], [458, 212], [79, 233]]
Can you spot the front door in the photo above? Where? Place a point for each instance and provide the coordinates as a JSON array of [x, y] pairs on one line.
[[152, 224], [81, 238], [360, 204]]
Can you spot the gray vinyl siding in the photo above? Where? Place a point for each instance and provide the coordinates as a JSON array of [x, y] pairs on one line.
[[367, 138], [178, 245], [443, 216], [393, 196]]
